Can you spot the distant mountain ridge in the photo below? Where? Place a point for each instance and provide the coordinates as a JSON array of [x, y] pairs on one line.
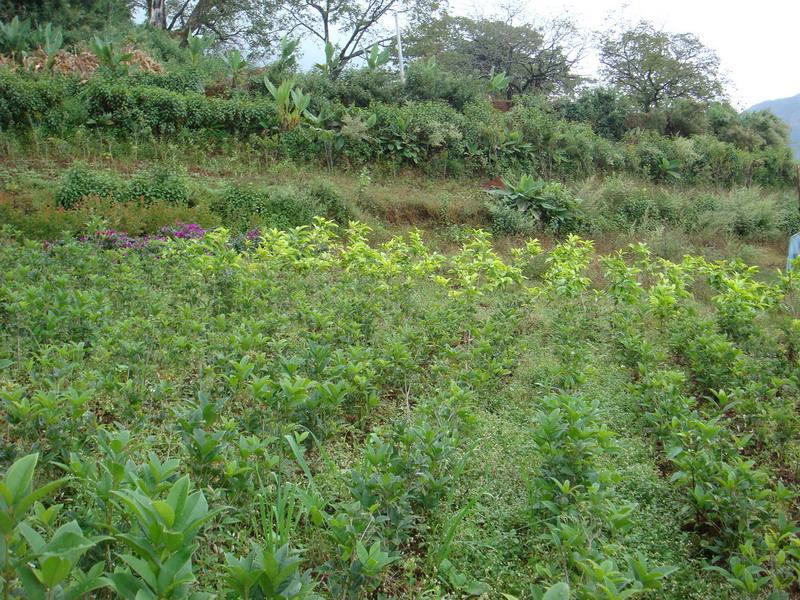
[[787, 109]]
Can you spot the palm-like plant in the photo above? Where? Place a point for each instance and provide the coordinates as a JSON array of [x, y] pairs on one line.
[[549, 203], [499, 82], [290, 102], [524, 194], [377, 57], [332, 62], [50, 39], [109, 54], [237, 65], [197, 46], [15, 37]]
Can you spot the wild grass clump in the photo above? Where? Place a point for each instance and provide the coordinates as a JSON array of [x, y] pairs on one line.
[[747, 213]]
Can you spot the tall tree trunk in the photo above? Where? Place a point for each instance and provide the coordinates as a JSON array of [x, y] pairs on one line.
[[158, 14]]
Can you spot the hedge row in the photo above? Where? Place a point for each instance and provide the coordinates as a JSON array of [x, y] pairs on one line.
[[429, 135]]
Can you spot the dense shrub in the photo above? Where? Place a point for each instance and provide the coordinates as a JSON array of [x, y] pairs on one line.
[[240, 203], [281, 207], [155, 185], [603, 109], [26, 101], [328, 201], [545, 203], [427, 81], [287, 208], [80, 182], [507, 220], [158, 184]]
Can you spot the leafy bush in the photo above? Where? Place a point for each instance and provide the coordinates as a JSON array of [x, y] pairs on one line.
[[80, 182], [426, 80], [328, 201], [508, 220], [443, 131], [286, 208], [547, 203], [280, 207], [238, 203], [158, 184]]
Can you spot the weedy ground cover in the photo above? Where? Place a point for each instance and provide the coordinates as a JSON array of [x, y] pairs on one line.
[[305, 413]]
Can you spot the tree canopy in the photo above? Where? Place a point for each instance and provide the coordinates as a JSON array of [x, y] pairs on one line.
[[654, 67], [536, 59]]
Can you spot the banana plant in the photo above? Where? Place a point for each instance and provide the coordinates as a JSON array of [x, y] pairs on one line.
[[332, 63], [498, 82], [291, 103], [287, 60], [237, 65], [197, 45], [335, 135], [50, 39], [377, 57]]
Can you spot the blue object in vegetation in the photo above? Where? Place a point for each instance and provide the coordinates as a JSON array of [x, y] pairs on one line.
[[794, 250]]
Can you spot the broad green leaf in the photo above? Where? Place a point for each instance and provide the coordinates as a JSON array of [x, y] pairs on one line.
[[559, 591], [19, 477], [165, 512]]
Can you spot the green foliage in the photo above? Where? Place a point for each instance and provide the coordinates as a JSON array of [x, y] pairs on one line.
[[291, 103], [50, 40], [603, 109], [426, 80], [281, 207], [81, 181], [237, 65], [41, 567], [290, 343], [155, 185], [452, 134], [158, 184], [160, 565], [15, 37], [196, 45], [332, 63], [328, 202], [548, 203], [377, 58], [655, 67], [109, 54], [509, 220], [268, 574]]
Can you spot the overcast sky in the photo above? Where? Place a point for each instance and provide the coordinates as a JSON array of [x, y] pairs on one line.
[[758, 42]]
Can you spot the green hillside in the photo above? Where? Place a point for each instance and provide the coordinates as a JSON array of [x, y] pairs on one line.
[[474, 328]]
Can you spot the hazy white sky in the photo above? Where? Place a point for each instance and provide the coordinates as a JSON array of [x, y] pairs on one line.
[[758, 42]]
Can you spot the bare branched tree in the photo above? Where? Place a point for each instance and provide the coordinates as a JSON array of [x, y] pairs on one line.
[[348, 27]]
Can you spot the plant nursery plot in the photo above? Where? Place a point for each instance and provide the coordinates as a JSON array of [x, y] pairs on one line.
[[305, 414]]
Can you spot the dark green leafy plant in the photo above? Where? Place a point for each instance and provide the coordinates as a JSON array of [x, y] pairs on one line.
[[548, 203], [109, 54], [160, 539]]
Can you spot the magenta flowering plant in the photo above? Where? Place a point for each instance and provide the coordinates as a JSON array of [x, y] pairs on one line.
[[114, 239], [184, 231]]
